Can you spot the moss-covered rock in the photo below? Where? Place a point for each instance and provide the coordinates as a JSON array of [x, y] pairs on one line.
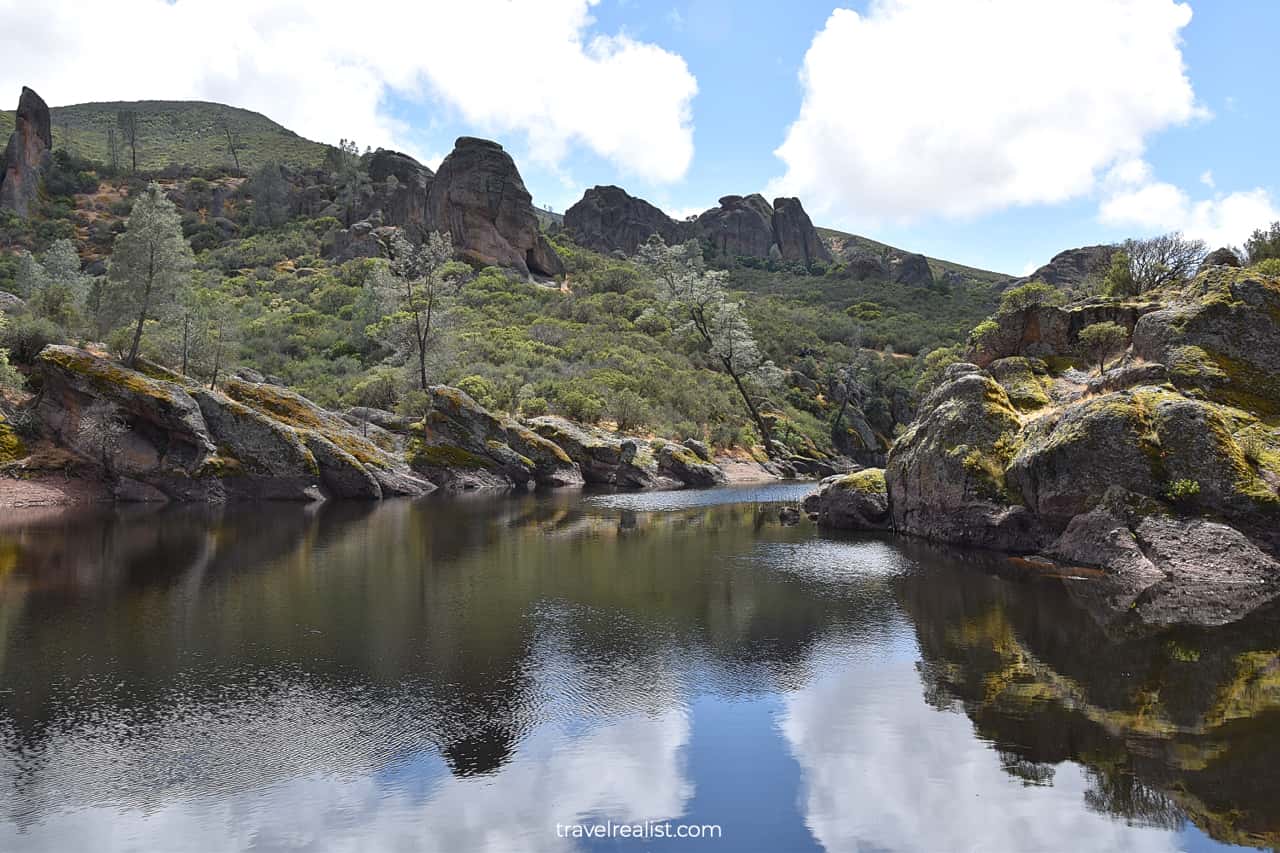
[[1024, 380], [946, 473], [604, 458], [678, 461], [857, 501], [465, 446]]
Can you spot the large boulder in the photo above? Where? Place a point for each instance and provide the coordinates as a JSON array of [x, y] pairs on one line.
[[1072, 269], [479, 199], [1223, 257], [1219, 335], [400, 188], [463, 446], [604, 459], [311, 422], [1051, 331], [608, 219], [912, 270], [741, 226], [683, 464], [794, 234], [26, 155], [857, 501], [946, 473], [1165, 570]]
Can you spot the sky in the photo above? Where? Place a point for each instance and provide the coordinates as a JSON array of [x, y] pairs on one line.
[[989, 132]]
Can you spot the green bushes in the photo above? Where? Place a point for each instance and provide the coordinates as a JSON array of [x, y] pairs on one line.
[[25, 335]]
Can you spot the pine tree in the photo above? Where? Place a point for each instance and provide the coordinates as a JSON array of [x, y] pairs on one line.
[[150, 265]]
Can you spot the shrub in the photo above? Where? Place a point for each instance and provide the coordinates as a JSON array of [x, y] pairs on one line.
[[578, 406], [25, 335], [1182, 491], [479, 389], [534, 407], [629, 409], [1268, 266], [1100, 341]]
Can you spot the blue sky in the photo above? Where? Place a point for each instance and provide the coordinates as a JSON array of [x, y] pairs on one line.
[[991, 132]]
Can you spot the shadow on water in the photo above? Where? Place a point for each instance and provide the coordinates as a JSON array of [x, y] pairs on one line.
[[243, 653]]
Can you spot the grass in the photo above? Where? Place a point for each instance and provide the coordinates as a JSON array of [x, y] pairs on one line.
[[187, 133]]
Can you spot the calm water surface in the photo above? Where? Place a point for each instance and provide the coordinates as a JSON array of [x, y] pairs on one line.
[[466, 675]]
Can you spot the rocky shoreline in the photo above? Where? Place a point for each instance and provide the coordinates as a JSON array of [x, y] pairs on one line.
[[1163, 472], [152, 435]]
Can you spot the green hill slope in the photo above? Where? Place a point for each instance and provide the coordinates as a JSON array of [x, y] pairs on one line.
[[939, 266], [189, 133]]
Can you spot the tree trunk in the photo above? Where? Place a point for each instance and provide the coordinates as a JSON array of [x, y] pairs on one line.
[[142, 315], [765, 435]]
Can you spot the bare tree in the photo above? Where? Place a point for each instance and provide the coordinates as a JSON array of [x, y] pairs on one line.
[[1167, 259], [127, 121], [234, 147]]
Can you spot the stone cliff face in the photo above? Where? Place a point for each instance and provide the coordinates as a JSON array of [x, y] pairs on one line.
[[607, 219], [479, 198], [1074, 267], [401, 185], [794, 234], [26, 154], [1164, 471]]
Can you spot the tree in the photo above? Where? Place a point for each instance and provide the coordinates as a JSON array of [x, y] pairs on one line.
[[150, 264], [1156, 262], [54, 286], [1100, 341], [350, 176], [414, 285], [696, 299], [1119, 279], [270, 192], [1263, 244], [127, 121], [233, 141]]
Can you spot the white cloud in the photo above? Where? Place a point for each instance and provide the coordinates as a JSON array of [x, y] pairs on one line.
[[327, 71], [884, 771], [1207, 178], [1135, 199], [1018, 103]]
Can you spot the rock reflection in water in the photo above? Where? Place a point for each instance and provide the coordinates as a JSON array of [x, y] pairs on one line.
[[464, 674]]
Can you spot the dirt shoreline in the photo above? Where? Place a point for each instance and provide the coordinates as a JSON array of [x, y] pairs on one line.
[[50, 491]]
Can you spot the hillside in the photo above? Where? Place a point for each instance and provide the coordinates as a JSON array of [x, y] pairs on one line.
[[188, 133], [842, 243]]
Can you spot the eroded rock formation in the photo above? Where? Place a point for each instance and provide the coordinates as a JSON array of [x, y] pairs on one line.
[[26, 155]]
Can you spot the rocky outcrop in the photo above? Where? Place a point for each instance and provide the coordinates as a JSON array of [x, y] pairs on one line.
[[1219, 336], [1223, 257], [604, 458], [26, 155], [741, 226], [400, 186], [946, 473], [364, 239], [1164, 473], [857, 501], [1051, 331], [911, 270], [311, 422], [157, 434], [683, 464], [608, 219], [463, 446], [478, 198], [1072, 269], [794, 234]]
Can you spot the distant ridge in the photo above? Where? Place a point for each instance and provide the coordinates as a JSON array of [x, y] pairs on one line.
[[188, 133]]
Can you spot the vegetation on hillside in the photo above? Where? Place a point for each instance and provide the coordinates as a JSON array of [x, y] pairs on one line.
[[194, 134]]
